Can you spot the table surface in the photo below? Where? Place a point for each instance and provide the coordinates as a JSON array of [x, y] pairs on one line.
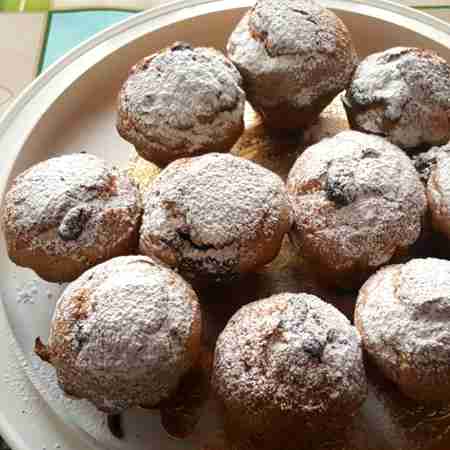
[[51, 34]]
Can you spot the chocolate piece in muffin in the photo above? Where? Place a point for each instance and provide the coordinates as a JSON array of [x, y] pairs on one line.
[[286, 368], [68, 213], [215, 216], [357, 202], [181, 101], [403, 94], [124, 334], [403, 315], [295, 57]]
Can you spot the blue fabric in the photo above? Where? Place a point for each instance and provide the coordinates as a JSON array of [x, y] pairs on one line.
[[68, 29]]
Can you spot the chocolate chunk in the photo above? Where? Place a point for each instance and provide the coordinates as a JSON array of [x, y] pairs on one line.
[[73, 223], [339, 190], [340, 184], [370, 153], [179, 45], [114, 422], [313, 346]]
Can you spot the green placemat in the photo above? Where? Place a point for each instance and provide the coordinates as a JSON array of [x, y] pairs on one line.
[[65, 30], [24, 5]]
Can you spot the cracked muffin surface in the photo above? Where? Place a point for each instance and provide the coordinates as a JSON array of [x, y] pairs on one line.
[[182, 101], [438, 190], [66, 214], [403, 94], [287, 366], [215, 216], [123, 334], [295, 57], [358, 201], [403, 315], [425, 162]]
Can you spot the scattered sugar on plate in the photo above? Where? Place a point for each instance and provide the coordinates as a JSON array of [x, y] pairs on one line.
[[31, 291], [27, 294]]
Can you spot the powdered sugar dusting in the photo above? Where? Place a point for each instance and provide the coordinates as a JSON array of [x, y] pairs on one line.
[[403, 94], [356, 199], [403, 313], [181, 101], [438, 190], [425, 162], [288, 356], [27, 293], [207, 210], [123, 333], [74, 206], [289, 27], [291, 52]]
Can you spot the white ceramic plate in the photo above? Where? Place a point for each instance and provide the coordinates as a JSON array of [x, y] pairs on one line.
[[71, 107]]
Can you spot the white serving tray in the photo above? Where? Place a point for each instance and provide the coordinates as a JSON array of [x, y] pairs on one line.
[[71, 107]]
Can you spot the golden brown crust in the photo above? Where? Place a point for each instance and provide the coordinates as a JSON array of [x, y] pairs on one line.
[[438, 193], [284, 116], [161, 156]]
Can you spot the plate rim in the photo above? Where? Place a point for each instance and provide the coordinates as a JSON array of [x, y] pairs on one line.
[[11, 435]]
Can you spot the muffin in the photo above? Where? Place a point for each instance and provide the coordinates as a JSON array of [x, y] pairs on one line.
[[425, 162], [215, 216], [438, 192], [286, 368], [403, 315], [295, 57], [357, 202], [124, 334], [181, 101], [402, 94], [68, 213]]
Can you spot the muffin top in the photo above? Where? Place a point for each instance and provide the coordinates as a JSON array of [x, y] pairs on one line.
[[128, 326], [403, 314], [290, 27], [425, 162], [303, 49], [292, 353], [438, 190], [204, 209], [440, 177], [409, 89], [176, 97], [69, 203], [357, 196]]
